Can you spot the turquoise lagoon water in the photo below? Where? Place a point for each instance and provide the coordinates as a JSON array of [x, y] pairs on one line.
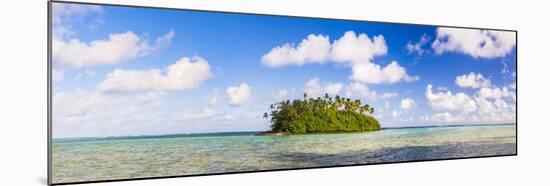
[[88, 159]]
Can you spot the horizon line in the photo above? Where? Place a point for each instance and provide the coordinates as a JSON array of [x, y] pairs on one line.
[[230, 132]]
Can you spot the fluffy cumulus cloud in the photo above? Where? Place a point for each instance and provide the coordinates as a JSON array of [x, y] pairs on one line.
[[489, 104], [472, 80], [407, 104], [352, 50], [360, 90], [280, 95], [238, 95], [473, 42], [375, 74], [418, 46], [333, 88], [357, 51], [496, 93], [313, 88], [313, 49], [117, 48], [184, 74], [449, 101], [358, 48]]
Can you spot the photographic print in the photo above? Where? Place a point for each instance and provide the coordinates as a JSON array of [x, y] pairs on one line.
[[140, 92]]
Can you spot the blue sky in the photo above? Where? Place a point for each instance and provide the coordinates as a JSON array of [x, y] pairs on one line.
[[139, 71]]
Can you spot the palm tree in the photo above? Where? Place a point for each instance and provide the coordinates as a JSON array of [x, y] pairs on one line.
[[356, 104], [338, 102]]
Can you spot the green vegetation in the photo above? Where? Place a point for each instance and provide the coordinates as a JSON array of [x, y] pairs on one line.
[[321, 115]]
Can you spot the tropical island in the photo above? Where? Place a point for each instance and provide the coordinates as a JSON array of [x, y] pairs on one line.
[[320, 115]]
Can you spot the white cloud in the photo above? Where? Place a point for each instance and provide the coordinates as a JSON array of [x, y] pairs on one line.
[[375, 74], [333, 88], [352, 50], [82, 113], [67, 50], [66, 10], [358, 48], [472, 80], [117, 48], [417, 47], [360, 90], [164, 40], [152, 97], [86, 114], [78, 104], [473, 42], [449, 101], [313, 49], [495, 93], [238, 95], [184, 74], [281, 94], [313, 88], [506, 116], [488, 105], [407, 104]]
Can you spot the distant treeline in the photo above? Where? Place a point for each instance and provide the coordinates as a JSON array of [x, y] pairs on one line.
[[321, 115]]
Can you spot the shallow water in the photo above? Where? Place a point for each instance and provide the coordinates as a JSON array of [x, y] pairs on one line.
[[89, 159]]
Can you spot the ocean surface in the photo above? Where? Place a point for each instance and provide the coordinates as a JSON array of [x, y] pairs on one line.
[[89, 159]]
